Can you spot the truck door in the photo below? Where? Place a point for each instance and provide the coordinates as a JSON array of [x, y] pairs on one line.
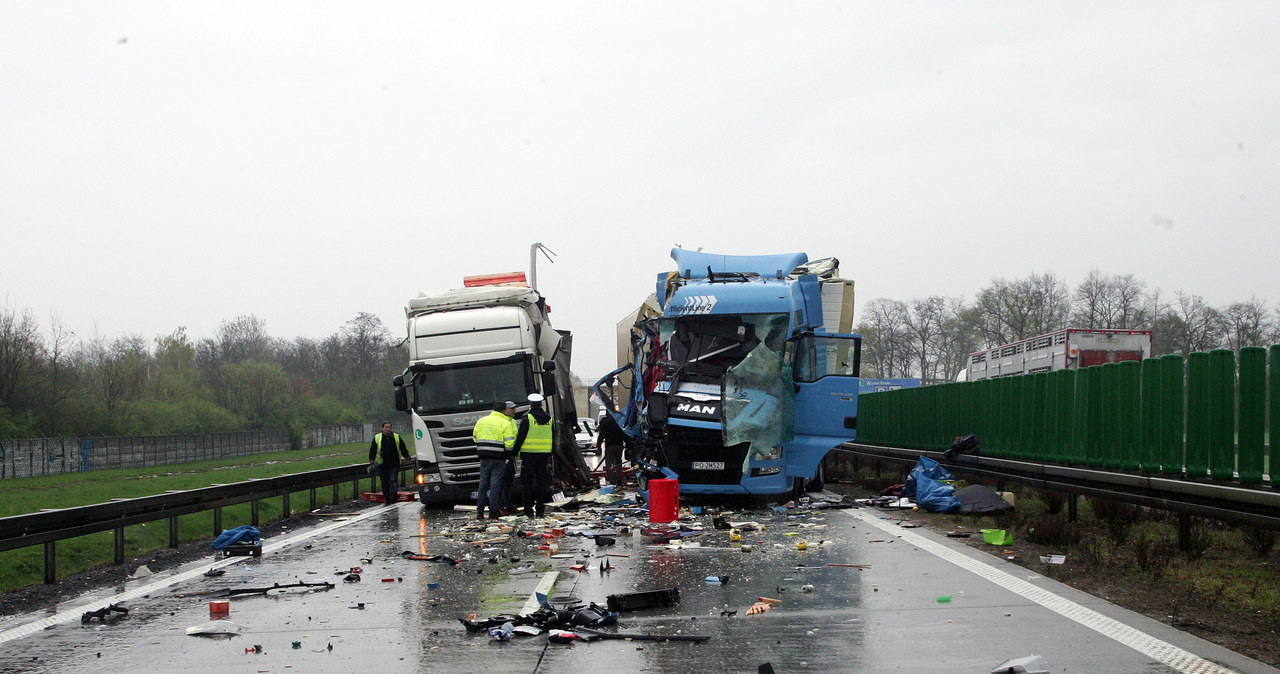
[[825, 368]]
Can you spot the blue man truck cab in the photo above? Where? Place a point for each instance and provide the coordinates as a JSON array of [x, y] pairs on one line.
[[740, 387]]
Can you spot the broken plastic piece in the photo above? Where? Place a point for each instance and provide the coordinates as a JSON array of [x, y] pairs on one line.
[[102, 613], [502, 633], [215, 628], [561, 637], [641, 600], [1032, 664]]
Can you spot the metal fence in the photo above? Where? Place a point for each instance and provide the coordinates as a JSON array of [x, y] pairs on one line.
[[337, 435], [1206, 417], [27, 457]]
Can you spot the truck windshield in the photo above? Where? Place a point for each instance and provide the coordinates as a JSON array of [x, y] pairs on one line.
[[470, 387], [712, 344]]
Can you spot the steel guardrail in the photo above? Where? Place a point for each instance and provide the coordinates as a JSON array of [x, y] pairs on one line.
[[51, 525], [1258, 506]]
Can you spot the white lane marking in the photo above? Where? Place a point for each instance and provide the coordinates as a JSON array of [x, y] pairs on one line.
[[1157, 649], [544, 586], [74, 613]]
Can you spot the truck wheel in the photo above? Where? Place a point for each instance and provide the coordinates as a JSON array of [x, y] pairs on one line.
[[818, 482]]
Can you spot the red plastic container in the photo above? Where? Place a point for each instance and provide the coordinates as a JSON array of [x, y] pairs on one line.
[[219, 609], [664, 500]]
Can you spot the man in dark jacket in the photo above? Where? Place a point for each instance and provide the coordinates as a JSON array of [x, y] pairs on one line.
[[385, 446], [534, 437], [613, 439]]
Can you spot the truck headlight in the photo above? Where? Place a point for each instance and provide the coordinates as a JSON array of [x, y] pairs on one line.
[[773, 454], [428, 478]]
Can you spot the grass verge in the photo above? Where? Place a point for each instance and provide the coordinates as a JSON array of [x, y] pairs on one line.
[[25, 566]]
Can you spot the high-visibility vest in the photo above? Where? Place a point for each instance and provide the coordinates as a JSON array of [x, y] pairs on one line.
[[378, 439], [395, 447], [538, 440], [494, 435]]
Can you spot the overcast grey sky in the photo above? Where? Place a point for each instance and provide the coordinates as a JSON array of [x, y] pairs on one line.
[[167, 164]]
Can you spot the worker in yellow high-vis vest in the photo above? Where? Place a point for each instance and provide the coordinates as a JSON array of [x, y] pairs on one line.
[[533, 441], [495, 438], [386, 446]]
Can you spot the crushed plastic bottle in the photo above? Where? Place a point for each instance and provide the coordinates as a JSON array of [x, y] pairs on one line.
[[502, 633]]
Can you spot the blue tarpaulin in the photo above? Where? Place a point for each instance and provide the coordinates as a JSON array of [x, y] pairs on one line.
[[923, 484], [928, 468], [228, 537]]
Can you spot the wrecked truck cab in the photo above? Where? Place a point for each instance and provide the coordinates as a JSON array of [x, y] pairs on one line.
[[743, 385]]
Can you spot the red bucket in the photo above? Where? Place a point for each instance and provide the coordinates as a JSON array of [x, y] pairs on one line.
[[664, 500]]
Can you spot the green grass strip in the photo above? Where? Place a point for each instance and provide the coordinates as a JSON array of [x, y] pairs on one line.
[[25, 566]]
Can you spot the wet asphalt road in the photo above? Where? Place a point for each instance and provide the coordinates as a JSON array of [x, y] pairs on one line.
[[883, 618]]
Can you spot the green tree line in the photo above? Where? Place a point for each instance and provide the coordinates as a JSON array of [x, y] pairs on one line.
[[56, 383], [932, 337]]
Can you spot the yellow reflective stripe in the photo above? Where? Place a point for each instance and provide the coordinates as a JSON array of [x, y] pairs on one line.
[[538, 441]]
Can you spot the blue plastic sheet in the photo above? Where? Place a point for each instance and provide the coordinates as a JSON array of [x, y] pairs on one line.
[[236, 535], [925, 467], [936, 497]]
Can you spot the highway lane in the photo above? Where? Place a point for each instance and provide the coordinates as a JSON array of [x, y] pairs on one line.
[[886, 617]]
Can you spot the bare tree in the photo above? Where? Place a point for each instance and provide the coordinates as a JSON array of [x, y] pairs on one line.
[[1118, 301], [956, 340], [1189, 324], [925, 323], [1248, 323], [885, 346], [1026, 307], [366, 340], [19, 359], [59, 375]]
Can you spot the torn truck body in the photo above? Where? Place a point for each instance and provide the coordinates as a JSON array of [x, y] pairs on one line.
[[747, 378]]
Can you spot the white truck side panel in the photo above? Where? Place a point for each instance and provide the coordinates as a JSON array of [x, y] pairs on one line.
[[471, 334]]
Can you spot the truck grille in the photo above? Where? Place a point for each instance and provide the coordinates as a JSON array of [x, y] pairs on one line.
[[686, 445], [455, 445]]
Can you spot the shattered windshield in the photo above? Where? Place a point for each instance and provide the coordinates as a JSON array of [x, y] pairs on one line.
[[469, 387], [712, 344]]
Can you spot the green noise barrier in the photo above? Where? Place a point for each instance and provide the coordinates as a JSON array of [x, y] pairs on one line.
[[1208, 416]]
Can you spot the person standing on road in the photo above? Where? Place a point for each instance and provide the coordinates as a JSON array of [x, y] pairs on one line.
[[495, 437], [386, 445], [613, 439], [533, 441]]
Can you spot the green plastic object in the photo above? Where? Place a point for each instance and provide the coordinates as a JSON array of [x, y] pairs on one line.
[[944, 599], [997, 537]]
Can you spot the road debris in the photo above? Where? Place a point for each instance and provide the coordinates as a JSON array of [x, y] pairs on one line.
[[107, 614], [221, 629]]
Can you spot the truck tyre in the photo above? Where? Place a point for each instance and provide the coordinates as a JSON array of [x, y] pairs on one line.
[[818, 483], [797, 489]]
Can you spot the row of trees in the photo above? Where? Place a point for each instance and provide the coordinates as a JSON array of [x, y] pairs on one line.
[[932, 337], [56, 383]]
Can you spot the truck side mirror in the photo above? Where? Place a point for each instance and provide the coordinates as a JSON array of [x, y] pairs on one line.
[[402, 399], [548, 366], [398, 381]]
